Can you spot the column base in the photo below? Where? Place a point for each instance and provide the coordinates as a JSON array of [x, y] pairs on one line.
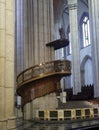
[[11, 123], [3, 124], [8, 124]]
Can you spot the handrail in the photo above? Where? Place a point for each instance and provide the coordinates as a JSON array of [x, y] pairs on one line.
[[44, 69]]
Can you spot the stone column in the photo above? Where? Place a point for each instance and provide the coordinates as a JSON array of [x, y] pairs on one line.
[[19, 37], [34, 29], [7, 119], [39, 31], [94, 24], [43, 30], [52, 28], [29, 34], [48, 29], [75, 46]]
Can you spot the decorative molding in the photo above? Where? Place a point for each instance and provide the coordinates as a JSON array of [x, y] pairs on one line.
[[72, 6]]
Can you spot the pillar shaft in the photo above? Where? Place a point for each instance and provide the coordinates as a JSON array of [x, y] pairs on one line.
[[43, 30], [94, 22], [34, 29], [75, 45], [19, 36], [6, 63]]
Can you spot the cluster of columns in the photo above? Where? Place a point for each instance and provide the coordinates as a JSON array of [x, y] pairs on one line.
[[73, 20], [34, 28], [7, 119]]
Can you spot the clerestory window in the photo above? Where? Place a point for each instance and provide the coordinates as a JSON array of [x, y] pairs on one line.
[[85, 31]]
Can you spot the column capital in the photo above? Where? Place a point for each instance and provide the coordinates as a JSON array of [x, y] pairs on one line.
[[72, 4]]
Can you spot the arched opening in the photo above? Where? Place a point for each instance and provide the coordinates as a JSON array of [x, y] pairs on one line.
[[86, 71]]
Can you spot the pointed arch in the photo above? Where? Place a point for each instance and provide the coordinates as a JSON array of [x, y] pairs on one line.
[[84, 61], [83, 15], [86, 71]]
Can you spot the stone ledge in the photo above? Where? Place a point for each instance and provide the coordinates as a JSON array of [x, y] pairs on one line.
[[11, 123]]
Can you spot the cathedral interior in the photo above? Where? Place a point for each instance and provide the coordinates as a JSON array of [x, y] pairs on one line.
[[49, 73]]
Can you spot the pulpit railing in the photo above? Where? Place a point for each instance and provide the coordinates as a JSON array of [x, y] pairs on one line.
[[42, 79], [44, 70]]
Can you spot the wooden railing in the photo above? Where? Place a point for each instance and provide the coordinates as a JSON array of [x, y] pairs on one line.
[[44, 70], [42, 79]]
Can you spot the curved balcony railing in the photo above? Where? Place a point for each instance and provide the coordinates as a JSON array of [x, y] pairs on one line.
[[44, 70], [42, 79]]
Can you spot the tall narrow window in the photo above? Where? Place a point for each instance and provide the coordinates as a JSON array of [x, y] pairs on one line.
[[86, 31]]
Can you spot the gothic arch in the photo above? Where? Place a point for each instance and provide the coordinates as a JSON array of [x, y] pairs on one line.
[[86, 70], [83, 15]]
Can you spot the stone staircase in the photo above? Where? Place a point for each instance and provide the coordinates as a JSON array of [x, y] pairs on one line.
[[74, 104]]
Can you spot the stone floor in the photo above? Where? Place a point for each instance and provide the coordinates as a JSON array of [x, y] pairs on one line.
[[66, 125], [85, 124]]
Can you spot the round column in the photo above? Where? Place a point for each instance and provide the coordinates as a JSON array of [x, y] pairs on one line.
[[75, 46], [94, 22], [7, 119]]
